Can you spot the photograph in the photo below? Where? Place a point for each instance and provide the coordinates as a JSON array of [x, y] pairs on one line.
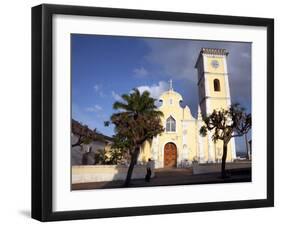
[[151, 112], [146, 112]]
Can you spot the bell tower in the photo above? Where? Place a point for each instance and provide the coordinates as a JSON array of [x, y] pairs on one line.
[[213, 88], [213, 85]]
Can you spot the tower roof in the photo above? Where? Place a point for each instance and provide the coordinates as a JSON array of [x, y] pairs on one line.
[[214, 51], [211, 51]]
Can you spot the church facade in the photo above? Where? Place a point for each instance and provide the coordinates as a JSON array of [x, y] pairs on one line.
[[181, 143]]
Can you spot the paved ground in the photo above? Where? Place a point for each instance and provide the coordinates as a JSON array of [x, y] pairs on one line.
[[165, 177]]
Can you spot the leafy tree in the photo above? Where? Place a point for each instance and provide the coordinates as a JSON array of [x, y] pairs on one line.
[[114, 157], [137, 121], [119, 150], [122, 143], [84, 134], [226, 124], [99, 156]]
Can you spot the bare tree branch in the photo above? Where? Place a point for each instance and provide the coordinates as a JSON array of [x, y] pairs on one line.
[[227, 124]]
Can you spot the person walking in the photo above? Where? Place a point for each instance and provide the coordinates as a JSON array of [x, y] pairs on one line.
[[148, 170]]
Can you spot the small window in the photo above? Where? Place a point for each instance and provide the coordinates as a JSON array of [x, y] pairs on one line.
[[217, 86], [171, 124], [171, 101]]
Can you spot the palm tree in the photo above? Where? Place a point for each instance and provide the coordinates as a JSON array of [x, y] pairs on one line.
[[138, 120]]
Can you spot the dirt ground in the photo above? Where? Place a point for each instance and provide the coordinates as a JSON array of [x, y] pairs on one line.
[[170, 177]]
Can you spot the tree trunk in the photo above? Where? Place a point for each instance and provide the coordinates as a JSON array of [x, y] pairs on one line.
[[224, 155], [132, 164]]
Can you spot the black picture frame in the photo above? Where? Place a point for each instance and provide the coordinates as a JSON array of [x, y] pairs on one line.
[[42, 111]]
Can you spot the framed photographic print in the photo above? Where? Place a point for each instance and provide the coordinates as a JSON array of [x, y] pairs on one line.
[[145, 112]]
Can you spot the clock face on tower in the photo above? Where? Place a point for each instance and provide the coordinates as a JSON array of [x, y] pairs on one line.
[[215, 63]]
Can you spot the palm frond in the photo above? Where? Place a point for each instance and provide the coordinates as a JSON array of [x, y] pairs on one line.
[[119, 105]]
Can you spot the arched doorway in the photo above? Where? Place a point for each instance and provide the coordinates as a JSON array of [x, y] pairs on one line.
[[170, 155]]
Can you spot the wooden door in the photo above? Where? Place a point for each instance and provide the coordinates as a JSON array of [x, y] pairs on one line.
[[170, 155]]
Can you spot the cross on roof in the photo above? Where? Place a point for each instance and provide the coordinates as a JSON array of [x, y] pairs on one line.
[[171, 84]]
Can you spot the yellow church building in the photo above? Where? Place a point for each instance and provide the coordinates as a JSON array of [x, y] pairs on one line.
[[181, 143]]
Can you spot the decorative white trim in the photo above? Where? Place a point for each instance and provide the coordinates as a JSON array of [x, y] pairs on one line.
[[217, 98], [208, 106], [185, 152], [216, 73], [206, 83]]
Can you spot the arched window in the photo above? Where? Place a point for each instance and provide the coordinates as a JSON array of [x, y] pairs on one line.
[[171, 124], [217, 86]]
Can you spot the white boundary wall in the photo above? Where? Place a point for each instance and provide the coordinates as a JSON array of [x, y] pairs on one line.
[[98, 173]]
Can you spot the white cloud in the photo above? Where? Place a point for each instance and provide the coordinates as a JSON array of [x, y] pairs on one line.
[[116, 96], [176, 59], [96, 108], [155, 90], [140, 72], [98, 90]]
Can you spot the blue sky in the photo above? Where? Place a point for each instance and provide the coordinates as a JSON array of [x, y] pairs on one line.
[[105, 67]]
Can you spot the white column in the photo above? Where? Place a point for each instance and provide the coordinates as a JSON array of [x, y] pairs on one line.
[[155, 151], [233, 148], [211, 150], [185, 152], [209, 110], [184, 140], [207, 93], [200, 144]]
